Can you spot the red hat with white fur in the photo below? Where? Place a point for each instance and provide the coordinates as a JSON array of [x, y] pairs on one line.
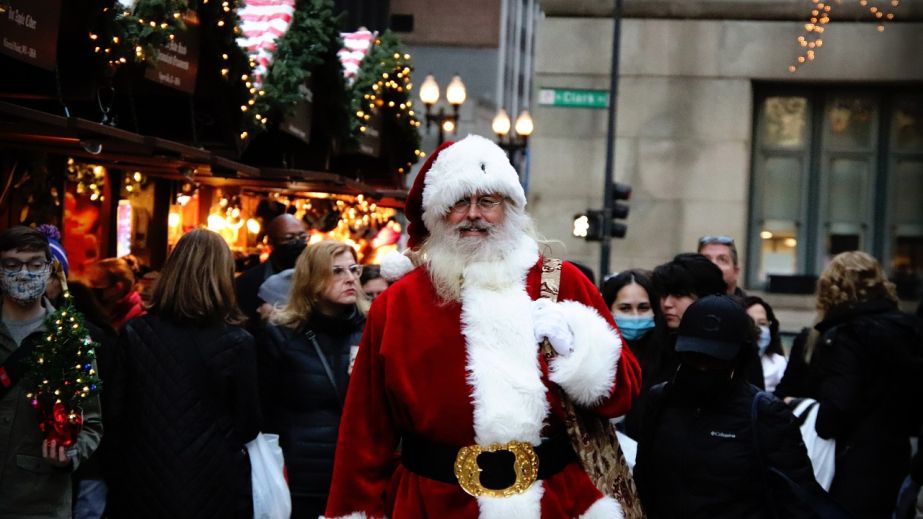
[[454, 171]]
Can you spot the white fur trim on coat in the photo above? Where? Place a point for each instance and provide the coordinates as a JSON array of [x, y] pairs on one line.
[[503, 369], [604, 508], [587, 374], [519, 506], [395, 265], [471, 165]]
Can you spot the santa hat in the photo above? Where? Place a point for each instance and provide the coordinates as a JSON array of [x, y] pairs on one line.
[[454, 171]]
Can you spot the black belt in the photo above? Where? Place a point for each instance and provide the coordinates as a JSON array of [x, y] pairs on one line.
[[437, 460]]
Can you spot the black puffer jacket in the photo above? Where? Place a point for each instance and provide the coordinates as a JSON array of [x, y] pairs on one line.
[[300, 402], [870, 369], [699, 461], [184, 402]]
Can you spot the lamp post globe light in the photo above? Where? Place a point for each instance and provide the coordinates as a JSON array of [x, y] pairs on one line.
[[524, 127], [455, 94]]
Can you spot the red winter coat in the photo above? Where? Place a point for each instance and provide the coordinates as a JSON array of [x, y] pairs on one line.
[[466, 373]]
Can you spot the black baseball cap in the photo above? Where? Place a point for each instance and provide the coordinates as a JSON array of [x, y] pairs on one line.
[[716, 326]]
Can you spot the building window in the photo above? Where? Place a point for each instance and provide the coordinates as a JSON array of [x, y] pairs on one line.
[[836, 169]]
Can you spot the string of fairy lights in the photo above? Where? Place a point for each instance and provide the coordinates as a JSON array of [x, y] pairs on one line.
[[137, 39], [137, 33], [395, 83], [811, 37]]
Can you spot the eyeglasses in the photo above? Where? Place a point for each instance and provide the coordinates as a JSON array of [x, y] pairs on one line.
[[13, 266], [290, 237], [485, 203], [721, 240], [353, 270]]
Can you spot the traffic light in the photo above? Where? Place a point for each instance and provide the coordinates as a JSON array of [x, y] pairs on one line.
[[619, 210], [589, 225]]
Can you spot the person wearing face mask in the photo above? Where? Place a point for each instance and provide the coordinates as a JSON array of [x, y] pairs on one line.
[[631, 297], [772, 356], [701, 423], [287, 237], [35, 474]]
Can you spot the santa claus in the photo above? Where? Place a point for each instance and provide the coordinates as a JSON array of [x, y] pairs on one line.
[[449, 412]]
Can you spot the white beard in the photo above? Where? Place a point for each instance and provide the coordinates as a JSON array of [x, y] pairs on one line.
[[497, 258]]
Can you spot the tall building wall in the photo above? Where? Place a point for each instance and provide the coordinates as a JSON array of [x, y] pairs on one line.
[[685, 119]]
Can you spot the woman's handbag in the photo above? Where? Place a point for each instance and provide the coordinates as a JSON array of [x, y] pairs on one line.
[[271, 496], [593, 437]]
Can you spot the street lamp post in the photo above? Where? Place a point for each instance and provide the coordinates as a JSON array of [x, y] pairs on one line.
[[455, 94], [517, 142]]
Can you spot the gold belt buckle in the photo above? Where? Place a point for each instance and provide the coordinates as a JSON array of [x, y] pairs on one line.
[[469, 473]]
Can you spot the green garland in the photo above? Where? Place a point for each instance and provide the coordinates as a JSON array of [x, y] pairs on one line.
[[383, 85], [312, 40], [61, 369], [136, 36]]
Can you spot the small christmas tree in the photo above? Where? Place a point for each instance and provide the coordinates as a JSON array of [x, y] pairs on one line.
[[61, 374]]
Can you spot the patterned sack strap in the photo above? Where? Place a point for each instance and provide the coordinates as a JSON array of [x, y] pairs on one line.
[[592, 436]]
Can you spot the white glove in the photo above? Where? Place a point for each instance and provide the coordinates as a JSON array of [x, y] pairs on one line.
[[548, 321]]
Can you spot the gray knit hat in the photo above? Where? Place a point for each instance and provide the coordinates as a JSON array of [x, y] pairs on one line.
[[276, 288]]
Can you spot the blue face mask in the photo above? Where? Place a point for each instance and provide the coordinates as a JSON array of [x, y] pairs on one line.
[[765, 338], [634, 327]]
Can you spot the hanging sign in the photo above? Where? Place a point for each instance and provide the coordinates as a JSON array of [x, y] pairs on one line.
[[298, 123], [370, 140], [178, 60], [29, 30]]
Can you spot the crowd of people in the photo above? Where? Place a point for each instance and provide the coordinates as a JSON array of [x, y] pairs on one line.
[[382, 380]]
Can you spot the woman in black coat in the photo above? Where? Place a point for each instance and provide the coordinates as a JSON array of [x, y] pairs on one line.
[[305, 358], [184, 395], [635, 306], [870, 379]]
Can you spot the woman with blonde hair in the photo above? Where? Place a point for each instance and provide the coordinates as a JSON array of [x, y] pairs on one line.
[[870, 383], [185, 394], [305, 357]]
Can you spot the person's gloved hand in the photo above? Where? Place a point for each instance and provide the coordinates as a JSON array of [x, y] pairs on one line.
[[548, 320]]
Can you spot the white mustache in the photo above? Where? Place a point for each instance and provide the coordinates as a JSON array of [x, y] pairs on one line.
[[476, 225]]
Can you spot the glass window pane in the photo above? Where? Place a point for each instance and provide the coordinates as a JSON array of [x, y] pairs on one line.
[[907, 266], [847, 191], [908, 193], [907, 228], [785, 122], [849, 122], [847, 205], [782, 187], [779, 248], [907, 123]]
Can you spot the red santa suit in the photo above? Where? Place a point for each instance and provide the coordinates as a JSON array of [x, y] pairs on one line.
[[469, 372]]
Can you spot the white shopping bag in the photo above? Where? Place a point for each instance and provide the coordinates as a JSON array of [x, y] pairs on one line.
[[271, 496], [629, 449], [822, 452]]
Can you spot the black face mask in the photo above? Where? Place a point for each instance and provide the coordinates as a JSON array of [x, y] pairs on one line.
[[701, 384], [284, 255]]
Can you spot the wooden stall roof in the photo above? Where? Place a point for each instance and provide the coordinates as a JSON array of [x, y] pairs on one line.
[[30, 129]]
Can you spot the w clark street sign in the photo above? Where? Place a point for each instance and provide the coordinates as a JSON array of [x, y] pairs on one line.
[[574, 98]]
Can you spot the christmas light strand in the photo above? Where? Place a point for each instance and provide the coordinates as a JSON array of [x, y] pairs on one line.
[[383, 87], [811, 37]]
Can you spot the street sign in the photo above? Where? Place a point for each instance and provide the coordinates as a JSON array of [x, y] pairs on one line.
[[574, 98]]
